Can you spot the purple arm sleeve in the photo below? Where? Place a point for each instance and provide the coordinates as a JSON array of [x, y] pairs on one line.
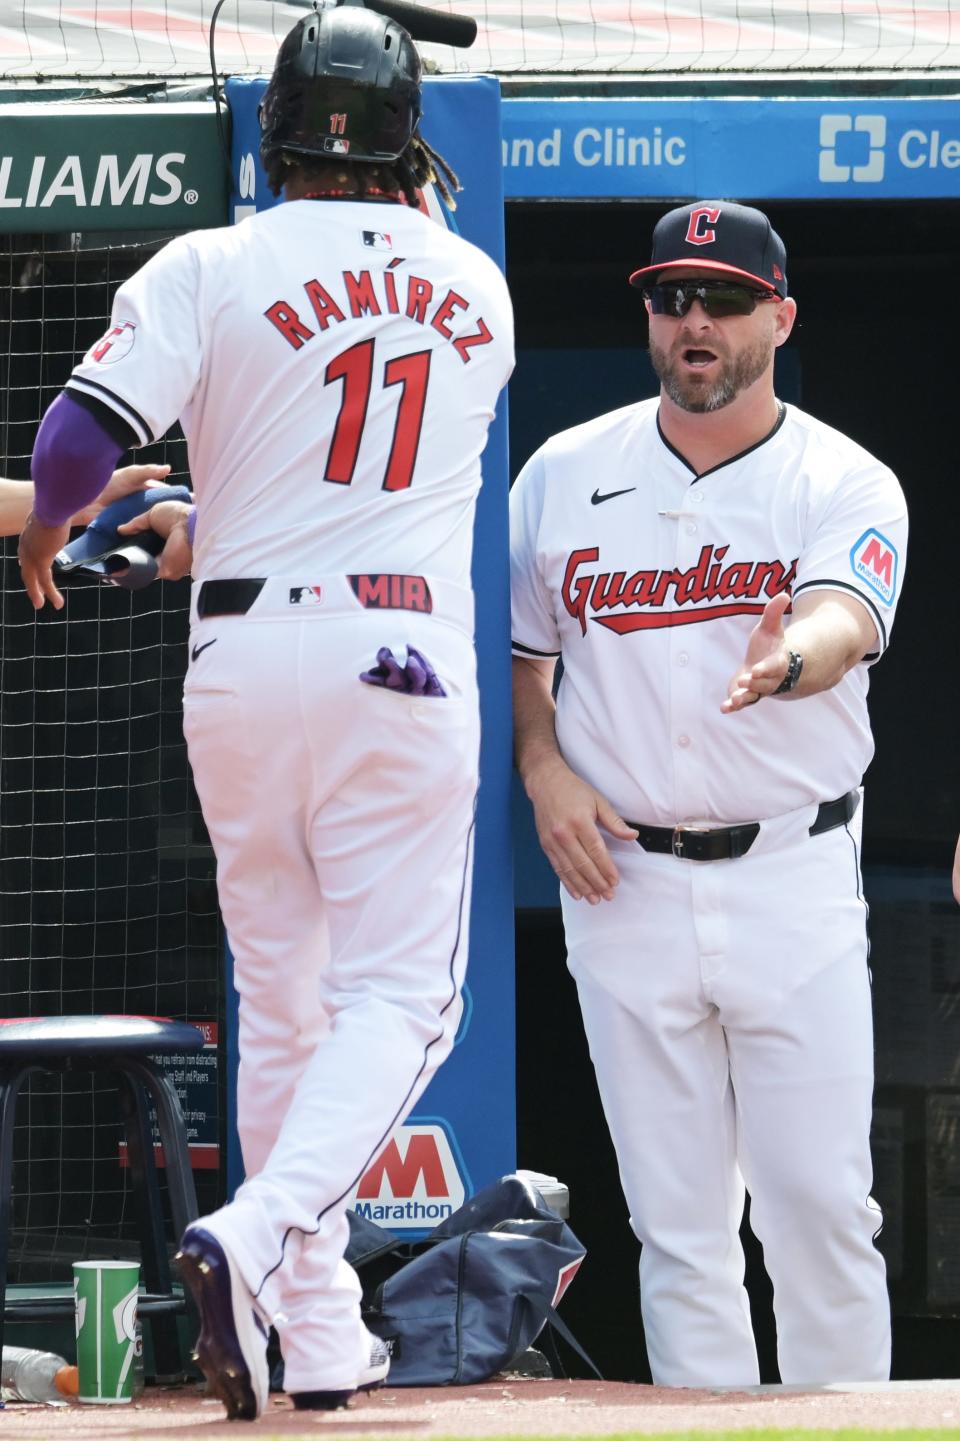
[[73, 458], [192, 524]]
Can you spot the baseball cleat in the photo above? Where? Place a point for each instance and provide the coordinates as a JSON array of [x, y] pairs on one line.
[[321, 1400], [378, 1366], [232, 1345], [373, 1375]]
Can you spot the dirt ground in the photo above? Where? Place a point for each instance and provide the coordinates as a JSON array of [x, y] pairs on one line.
[[504, 1408]]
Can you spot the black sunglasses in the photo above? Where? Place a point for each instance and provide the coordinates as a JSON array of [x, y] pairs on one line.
[[719, 298]]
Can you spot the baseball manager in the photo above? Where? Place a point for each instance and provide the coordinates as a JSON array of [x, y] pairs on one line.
[[719, 572]]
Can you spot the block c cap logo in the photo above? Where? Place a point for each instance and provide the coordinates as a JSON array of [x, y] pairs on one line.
[[873, 127], [700, 230]]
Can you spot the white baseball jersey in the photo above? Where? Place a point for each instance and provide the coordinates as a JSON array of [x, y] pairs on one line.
[[335, 366], [312, 355], [648, 580]]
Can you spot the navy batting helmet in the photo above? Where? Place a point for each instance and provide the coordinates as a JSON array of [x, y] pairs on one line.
[[124, 560], [346, 86]]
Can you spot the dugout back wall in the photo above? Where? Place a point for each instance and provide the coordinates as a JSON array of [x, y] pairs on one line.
[[870, 212]]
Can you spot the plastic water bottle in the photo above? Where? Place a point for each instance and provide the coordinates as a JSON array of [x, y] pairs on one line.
[[29, 1375]]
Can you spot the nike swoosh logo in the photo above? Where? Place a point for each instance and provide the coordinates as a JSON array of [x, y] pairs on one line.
[[206, 646], [598, 499]]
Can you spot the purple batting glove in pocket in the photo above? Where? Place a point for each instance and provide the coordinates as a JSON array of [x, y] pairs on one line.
[[417, 677], [426, 678]]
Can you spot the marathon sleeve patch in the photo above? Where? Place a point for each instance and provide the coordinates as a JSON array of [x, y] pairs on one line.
[[875, 561], [857, 543]]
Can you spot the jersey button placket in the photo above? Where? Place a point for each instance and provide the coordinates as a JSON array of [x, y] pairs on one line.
[[689, 797]]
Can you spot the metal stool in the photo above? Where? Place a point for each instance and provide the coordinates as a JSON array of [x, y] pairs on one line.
[[123, 1045]]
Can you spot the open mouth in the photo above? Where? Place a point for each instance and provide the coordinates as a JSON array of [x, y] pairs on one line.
[[697, 359]]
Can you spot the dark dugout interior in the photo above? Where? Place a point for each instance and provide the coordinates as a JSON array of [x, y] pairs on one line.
[[873, 354]]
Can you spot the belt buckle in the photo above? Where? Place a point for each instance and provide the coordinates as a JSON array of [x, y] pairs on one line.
[[676, 840]]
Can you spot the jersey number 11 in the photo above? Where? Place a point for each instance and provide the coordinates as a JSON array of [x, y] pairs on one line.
[[355, 368]]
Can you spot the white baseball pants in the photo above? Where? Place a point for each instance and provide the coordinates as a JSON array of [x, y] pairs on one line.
[[342, 819], [727, 1008]]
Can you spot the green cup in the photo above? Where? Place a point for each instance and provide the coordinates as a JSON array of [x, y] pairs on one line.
[[108, 1338]]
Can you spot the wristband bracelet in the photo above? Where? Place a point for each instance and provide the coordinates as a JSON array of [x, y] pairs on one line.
[[794, 667]]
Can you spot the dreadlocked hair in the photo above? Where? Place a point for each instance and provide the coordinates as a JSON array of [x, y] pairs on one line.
[[419, 165]]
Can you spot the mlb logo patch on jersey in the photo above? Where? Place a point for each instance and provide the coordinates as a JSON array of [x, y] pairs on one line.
[[306, 595], [376, 240], [874, 560]]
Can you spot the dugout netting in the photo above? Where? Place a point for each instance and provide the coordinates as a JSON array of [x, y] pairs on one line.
[[107, 892], [551, 37]]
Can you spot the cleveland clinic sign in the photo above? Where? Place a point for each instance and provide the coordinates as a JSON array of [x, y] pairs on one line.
[[752, 148]]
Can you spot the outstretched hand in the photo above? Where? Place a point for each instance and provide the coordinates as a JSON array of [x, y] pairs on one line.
[[767, 659], [122, 482]]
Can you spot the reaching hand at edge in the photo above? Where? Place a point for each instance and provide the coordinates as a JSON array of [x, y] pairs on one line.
[[16, 496], [122, 482]]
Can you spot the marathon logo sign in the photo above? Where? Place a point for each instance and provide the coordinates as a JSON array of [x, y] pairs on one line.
[[415, 1183], [874, 561]]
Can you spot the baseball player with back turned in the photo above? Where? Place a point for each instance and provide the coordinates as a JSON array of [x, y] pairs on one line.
[[335, 363], [718, 572]]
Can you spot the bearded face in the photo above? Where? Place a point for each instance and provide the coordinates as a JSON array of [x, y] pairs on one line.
[[701, 373]]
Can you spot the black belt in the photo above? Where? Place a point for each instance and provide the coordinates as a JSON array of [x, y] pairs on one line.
[[227, 597], [727, 843]]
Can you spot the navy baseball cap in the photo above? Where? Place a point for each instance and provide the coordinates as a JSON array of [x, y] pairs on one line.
[[734, 240], [124, 560]]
